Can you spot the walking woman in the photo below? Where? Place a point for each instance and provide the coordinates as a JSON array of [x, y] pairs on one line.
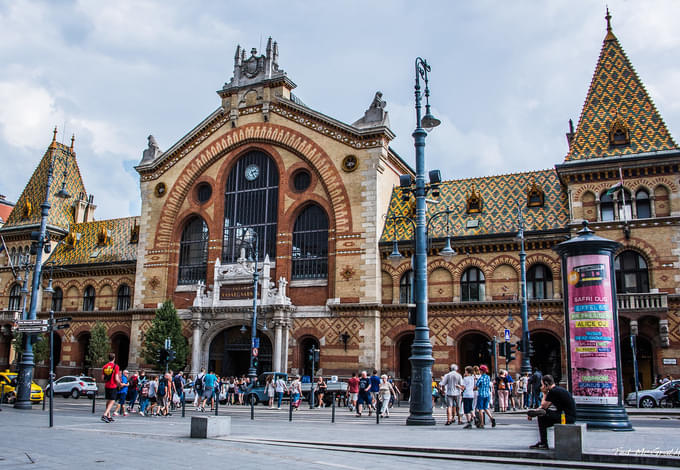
[[320, 391], [269, 389], [386, 392], [296, 392]]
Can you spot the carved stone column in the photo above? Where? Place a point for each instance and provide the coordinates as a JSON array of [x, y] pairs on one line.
[[284, 349], [196, 344], [277, 346]]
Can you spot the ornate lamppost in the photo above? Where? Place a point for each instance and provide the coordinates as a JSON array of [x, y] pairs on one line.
[[525, 368], [26, 366]]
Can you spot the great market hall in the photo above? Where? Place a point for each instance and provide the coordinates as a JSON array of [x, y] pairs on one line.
[[313, 197]]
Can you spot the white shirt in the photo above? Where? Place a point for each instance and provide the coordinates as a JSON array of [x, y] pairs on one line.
[[280, 385], [469, 383], [451, 381]]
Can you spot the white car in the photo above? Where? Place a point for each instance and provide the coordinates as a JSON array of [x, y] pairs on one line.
[[74, 386], [650, 398]]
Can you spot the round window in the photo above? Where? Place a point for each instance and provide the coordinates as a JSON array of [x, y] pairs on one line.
[[203, 192], [301, 180]]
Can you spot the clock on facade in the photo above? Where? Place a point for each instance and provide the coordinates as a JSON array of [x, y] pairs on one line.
[[252, 172]]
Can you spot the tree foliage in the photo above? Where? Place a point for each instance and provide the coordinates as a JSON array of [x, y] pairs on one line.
[[41, 348], [100, 345], [166, 324]]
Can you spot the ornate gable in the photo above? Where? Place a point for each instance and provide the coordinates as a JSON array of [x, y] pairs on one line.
[[618, 117]]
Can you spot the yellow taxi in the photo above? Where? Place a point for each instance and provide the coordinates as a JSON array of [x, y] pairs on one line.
[[8, 379]]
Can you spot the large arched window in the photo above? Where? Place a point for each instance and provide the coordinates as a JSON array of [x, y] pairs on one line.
[[606, 207], [642, 205], [539, 282], [310, 244], [631, 273], [123, 300], [472, 285], [15, 297], [88, 299], [57, 299], [193, 252], [406, 288], [251, 203]]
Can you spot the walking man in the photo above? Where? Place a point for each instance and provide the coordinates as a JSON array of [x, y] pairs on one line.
[[452, 383], [483, 388], [563, 402], [375, 389], [111, 376], [279, 388], [353, 391], [536, 385], [364, 394], [208, 388]]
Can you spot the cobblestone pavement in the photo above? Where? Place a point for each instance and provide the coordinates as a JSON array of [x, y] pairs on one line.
[[79, 439]]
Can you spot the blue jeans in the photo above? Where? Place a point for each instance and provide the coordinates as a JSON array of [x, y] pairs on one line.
[[279, 397], [143, 404], [535, 399], [294, 397]]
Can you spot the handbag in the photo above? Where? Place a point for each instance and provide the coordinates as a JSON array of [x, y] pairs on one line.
[[175, 398]]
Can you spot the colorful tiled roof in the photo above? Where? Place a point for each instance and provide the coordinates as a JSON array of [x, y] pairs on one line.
[[98, 242], [617, 94], [27, 210], [499, 196]]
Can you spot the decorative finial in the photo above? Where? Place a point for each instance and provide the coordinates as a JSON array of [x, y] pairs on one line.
[[73, 138], [54, 138], [608, 17], [585, 231]]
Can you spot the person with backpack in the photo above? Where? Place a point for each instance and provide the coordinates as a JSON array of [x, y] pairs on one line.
[[111, 376], [162, 394], [153, 397], [121, 398], [178, 382], [198, 389], [143, 393], [133, 390], [209, 381]]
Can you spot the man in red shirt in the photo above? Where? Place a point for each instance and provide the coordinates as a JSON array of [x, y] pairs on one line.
[[111, 376], [353, 390]]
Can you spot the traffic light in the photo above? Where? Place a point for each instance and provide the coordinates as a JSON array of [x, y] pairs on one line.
[[171, 355], [520, 346], [163, 355], [510, 352], [489, 348], [255, 362]]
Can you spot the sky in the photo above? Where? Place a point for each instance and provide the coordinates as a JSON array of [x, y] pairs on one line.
[[506, 76]]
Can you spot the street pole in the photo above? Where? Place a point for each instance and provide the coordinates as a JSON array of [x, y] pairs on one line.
[[25, 375], [495, 372], [525, 368], [420, 410], [252, 372], [311, 381], [51, 326], [633, 346]]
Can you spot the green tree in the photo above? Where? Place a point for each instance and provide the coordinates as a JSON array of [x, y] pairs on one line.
[[41, 348], [18, 345], [100, 345], [166, 324]]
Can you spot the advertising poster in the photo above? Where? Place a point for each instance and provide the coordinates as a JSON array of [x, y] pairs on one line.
[[591, 328]]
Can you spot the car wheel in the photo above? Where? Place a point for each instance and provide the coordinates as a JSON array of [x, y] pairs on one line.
[[647, 402], [75, 393]]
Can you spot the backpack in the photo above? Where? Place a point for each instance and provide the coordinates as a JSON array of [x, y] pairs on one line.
[[108, 371], [161, 387], [145, 390], [198, 383]]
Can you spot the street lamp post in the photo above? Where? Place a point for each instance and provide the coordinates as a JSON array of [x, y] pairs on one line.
[[421, 352], [252, 371], [524, 311], [26, 366]]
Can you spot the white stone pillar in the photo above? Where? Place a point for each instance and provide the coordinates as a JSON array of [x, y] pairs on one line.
[[196, 347], [277, 347], [284, 348]]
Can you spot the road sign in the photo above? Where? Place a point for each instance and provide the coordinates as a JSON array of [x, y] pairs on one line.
[[62, 326], [31, 323], [255, 352], [507, 335], [62, 319], [31, 329], [256, 342]]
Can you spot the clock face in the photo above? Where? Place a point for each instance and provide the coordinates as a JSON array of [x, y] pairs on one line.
[[252, 172]]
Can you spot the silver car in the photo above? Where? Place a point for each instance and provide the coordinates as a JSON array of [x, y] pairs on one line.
[[74, 386], [650, 398]]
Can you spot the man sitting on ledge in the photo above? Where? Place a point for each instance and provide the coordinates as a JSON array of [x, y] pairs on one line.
[[561, 401]]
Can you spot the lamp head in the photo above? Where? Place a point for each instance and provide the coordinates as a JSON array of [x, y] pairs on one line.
[[49, 289], [447, 252], [243, 329], [395, 257], [429, 122]]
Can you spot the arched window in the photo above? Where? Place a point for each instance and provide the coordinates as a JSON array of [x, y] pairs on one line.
[[631, 273], [539, 282], [642, 205], [310, 244], [606, 207], [472, 285], [251, 203], [57, 299], [193, 252], [123, 301], [406, 288], [15, 298], [13, 256], [88, 299]]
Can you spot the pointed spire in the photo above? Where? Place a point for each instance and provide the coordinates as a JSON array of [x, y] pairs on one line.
[[610, 36], [73, 139], [53, 144]]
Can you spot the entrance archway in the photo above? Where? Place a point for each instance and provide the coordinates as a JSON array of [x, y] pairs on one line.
[[473, 351], [83, 347], [645, 360], [305, 360], [229, 354], [120, 344], [547, 354], [403, 365], [56, 351]]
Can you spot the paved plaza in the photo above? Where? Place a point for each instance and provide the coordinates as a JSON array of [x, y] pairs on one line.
[[311, 441]]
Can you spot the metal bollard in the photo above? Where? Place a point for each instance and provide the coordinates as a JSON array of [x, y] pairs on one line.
[[252, 407], [94, 399], [43, 400], [290, 408], [2, 395], [184, 403], [217, 403], [377, 413], [333, 410]]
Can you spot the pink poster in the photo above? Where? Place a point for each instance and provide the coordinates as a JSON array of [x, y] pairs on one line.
[[591, 330]]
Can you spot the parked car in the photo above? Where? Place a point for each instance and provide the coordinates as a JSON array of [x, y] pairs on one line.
[[256, 392], [8, 380], [74, 386], [650, 398]]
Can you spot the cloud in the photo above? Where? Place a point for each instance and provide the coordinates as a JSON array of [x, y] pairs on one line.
[[26, 111]]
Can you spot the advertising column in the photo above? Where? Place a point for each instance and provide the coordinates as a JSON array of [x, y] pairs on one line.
[[592, 330]]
